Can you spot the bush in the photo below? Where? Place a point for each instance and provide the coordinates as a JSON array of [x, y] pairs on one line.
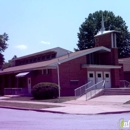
[[45, 90]]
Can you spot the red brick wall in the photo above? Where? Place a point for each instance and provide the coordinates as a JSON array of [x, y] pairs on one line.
[[51, 77], [106, 58], [103, 40], [127, 76], [114, 56], [72, 70], [115, 78], [110, 58]]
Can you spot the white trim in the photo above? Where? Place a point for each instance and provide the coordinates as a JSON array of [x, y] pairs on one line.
[[43, 52], [101, 66], [29, 85], [92, 79], [54, 65], [46, 67], [112, 40], [106, 72], [21, 74], [115, 46], [84, 53], [106, 32]]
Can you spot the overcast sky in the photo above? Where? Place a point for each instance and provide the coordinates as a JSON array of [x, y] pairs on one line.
[[37, 25]]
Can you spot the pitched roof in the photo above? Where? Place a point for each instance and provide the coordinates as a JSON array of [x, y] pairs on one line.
[[106, 32], [53, 62], [42, 52]]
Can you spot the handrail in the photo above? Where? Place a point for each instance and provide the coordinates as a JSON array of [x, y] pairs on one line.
[[13, 88], [15, 91], [95, 84], [81, 90], [104, 83], [125, 83], [94, 87], [82, 85]]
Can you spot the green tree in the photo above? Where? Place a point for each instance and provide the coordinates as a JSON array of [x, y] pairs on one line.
[[92, 26], [3, 46], [10, 63]]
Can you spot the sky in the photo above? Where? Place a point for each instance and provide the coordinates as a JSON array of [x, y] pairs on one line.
[[37, 25]]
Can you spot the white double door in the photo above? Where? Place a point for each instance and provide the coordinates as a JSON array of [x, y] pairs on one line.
[[97, 76]]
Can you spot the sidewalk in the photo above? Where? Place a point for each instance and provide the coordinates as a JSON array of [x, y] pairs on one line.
[[102, 104]]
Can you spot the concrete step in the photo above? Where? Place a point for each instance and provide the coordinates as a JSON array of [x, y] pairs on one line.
[[91, 94], [117, 91]]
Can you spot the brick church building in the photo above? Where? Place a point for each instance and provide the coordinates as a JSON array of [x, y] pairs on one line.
[[68, 69]]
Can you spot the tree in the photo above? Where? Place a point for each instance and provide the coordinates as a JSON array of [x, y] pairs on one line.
[[3, 46], [92, 26], [10, 63]]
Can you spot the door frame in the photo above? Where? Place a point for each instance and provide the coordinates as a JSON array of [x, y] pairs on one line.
[[105, 72], [93, 75], [29, 85], [101, 72]]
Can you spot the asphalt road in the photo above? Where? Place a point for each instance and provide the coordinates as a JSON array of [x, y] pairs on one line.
[[31, 120]]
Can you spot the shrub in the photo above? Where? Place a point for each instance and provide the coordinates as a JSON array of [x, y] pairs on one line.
[[45, 90]]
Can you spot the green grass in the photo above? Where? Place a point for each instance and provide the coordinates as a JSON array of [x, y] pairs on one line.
[[22, 98], [26, 105]]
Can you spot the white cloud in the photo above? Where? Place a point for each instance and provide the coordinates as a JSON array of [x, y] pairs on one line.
[[21, 47], [46, 43]]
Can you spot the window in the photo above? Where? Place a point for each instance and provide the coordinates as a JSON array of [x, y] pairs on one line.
[[29, 81], [107, 75], [114, 40], [43, 57], [46, 71], [38, 58], [91, 75], [74, 83], [53, 55], [26, 61], [94, 58], [99, 75], [34, 60], [30, 60], [48, 56]]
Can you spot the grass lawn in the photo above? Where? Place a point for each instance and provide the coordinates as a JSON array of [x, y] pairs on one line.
[[23, 98], [26, 105]]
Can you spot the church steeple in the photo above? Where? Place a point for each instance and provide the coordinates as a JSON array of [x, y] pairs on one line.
[[102, 25]]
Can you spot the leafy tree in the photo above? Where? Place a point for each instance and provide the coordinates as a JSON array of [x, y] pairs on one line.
[[92, 26], [9, 63], [3, 46]]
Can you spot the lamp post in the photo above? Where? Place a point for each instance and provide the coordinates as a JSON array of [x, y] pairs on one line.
[[58, 78]]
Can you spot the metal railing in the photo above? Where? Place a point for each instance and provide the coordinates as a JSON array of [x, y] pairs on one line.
[[94, 89], [81, 90], [15, 91], [124, 83]]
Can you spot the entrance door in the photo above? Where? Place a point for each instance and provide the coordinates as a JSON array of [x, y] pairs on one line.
[[107, 78], [91, 77], [29, 85], [99, 77]]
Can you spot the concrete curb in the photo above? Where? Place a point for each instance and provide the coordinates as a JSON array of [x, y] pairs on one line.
[[28, 109], [117, 112], [58, 112]]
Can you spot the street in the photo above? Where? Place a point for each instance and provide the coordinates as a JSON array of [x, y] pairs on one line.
[[31, 120]]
